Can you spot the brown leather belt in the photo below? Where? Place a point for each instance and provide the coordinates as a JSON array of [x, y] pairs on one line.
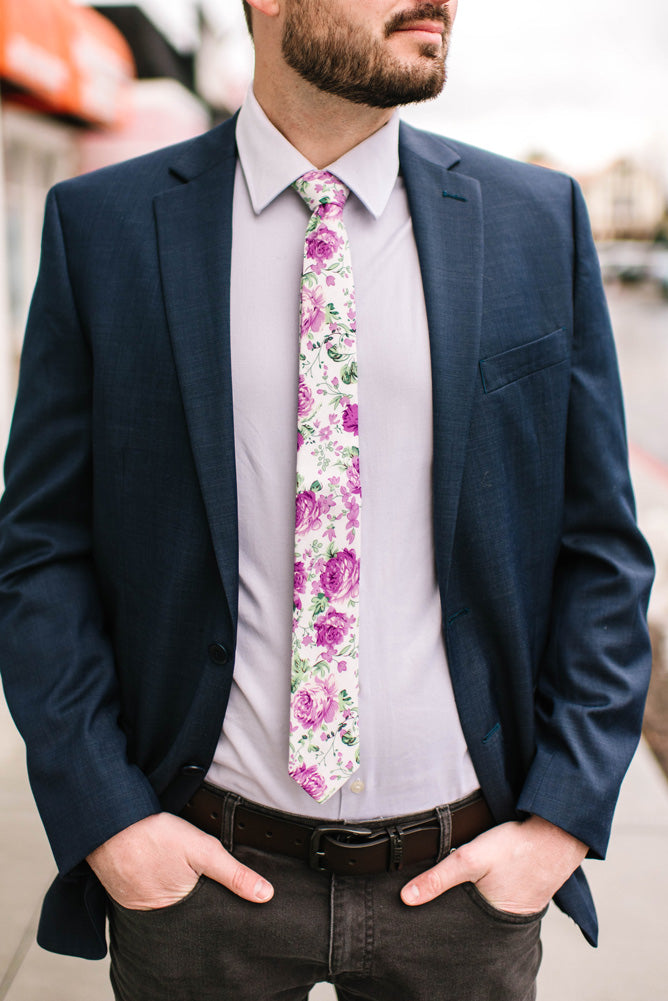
[[363, 849]]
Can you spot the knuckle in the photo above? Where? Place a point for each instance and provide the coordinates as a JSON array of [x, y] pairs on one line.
[[464, 857], [240, 881], [433, 881]]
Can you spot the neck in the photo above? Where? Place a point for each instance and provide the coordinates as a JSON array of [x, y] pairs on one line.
[[321, 126]]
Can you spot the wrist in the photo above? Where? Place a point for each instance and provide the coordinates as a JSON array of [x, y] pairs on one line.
[[557, 840]]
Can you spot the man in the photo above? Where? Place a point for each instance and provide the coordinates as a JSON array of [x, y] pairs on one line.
[[463, 574]]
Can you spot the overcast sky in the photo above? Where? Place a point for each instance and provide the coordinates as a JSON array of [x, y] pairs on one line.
[[582, 82]]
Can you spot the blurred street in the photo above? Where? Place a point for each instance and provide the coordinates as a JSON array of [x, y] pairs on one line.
[[640, 320]]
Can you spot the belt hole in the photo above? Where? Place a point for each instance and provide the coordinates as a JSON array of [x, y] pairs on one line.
[[299, 841], [268, 834], [352, 862], [214, 815], [240, 825]]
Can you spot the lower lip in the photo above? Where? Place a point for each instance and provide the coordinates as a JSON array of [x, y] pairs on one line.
[[425, 34]]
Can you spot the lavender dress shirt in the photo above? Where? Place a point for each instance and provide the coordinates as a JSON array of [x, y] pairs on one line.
[[412, 749]]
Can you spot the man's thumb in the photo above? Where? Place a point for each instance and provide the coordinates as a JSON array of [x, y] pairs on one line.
[[219, 865], [443, 876]]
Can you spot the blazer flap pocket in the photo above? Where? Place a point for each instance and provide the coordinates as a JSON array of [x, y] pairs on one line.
[[509, 366]]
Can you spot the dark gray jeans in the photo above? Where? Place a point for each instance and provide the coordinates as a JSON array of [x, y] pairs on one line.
[[351, 931]]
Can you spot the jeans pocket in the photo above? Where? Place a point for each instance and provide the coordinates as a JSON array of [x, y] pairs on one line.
[[132, 912], [507, 917]]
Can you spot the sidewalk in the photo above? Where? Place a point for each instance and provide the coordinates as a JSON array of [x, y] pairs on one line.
[[630, 888]]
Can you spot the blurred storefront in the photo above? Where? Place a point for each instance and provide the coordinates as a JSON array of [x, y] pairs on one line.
[[626, 201], [84, 85], [64, 70]]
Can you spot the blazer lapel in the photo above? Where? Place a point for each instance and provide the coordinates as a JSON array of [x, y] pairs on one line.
[[194, 228], [446, 209]]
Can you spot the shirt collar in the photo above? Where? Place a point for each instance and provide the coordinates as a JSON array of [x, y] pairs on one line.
[[271, 164]]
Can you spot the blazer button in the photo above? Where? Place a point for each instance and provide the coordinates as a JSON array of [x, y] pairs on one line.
[[219, 654], [192, 770]]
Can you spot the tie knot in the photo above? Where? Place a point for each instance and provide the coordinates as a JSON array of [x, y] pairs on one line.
[[318, 187]]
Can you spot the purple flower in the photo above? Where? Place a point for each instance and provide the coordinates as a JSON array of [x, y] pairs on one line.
[[353, 473], [310, 781], [308, 511], [350, 418], [305, 399], [313, 307], [341, 575], [322, 245], [300, 583], [315, 702], [331, 629]]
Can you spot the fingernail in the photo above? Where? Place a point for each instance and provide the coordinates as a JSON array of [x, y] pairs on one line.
[[411, 893], [263, 890]]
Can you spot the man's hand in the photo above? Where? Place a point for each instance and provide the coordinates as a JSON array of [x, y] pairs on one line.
[[517, 867], [157, 861]]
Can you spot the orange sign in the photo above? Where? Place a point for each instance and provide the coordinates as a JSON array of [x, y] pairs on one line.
[[69, 60]]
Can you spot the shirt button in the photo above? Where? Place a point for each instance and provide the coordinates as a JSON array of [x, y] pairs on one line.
[[219, 654], [357, 786]]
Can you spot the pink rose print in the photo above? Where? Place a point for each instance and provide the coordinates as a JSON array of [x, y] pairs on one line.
[[315, 702], [309, 510], [341, 575], [313, 309], [301, 578], [323, 708], [305, 399], [353, 474], [331, 630], [322, 245], [308, 778], [350, 418]]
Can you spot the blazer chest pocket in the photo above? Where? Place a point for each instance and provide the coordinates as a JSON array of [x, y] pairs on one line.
[[509, 366]]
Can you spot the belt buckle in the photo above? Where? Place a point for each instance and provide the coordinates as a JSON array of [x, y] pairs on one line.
[[316, 854]]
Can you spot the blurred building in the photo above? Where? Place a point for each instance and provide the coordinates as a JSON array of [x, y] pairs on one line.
[[626, 202], [64, 70], [84, 85]]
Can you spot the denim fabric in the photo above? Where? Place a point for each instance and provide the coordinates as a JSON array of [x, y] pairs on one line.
[[353, 932]]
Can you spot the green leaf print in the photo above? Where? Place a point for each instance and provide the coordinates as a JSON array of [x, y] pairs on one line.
[[319, 605], [349, 373]]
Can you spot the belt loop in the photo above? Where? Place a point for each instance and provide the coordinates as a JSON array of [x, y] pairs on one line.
[[230, 803], [445, 820]]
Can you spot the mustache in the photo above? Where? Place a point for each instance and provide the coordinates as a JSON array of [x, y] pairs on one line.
[[421, 12]]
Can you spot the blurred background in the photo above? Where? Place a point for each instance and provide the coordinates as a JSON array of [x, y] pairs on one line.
[[581, 88]]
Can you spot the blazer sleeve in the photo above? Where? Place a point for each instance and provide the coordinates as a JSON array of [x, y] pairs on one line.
[[594, 674], [56, 658]]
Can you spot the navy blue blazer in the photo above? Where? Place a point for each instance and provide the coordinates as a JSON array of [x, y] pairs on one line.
[[118, 528]]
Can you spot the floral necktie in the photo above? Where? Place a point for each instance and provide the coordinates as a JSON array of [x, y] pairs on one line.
[[324, 739]]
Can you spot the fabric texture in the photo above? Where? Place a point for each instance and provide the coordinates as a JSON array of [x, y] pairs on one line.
[[119, 545], [324, 705]]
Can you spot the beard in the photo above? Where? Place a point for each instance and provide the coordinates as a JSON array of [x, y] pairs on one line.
[[340, 58]]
